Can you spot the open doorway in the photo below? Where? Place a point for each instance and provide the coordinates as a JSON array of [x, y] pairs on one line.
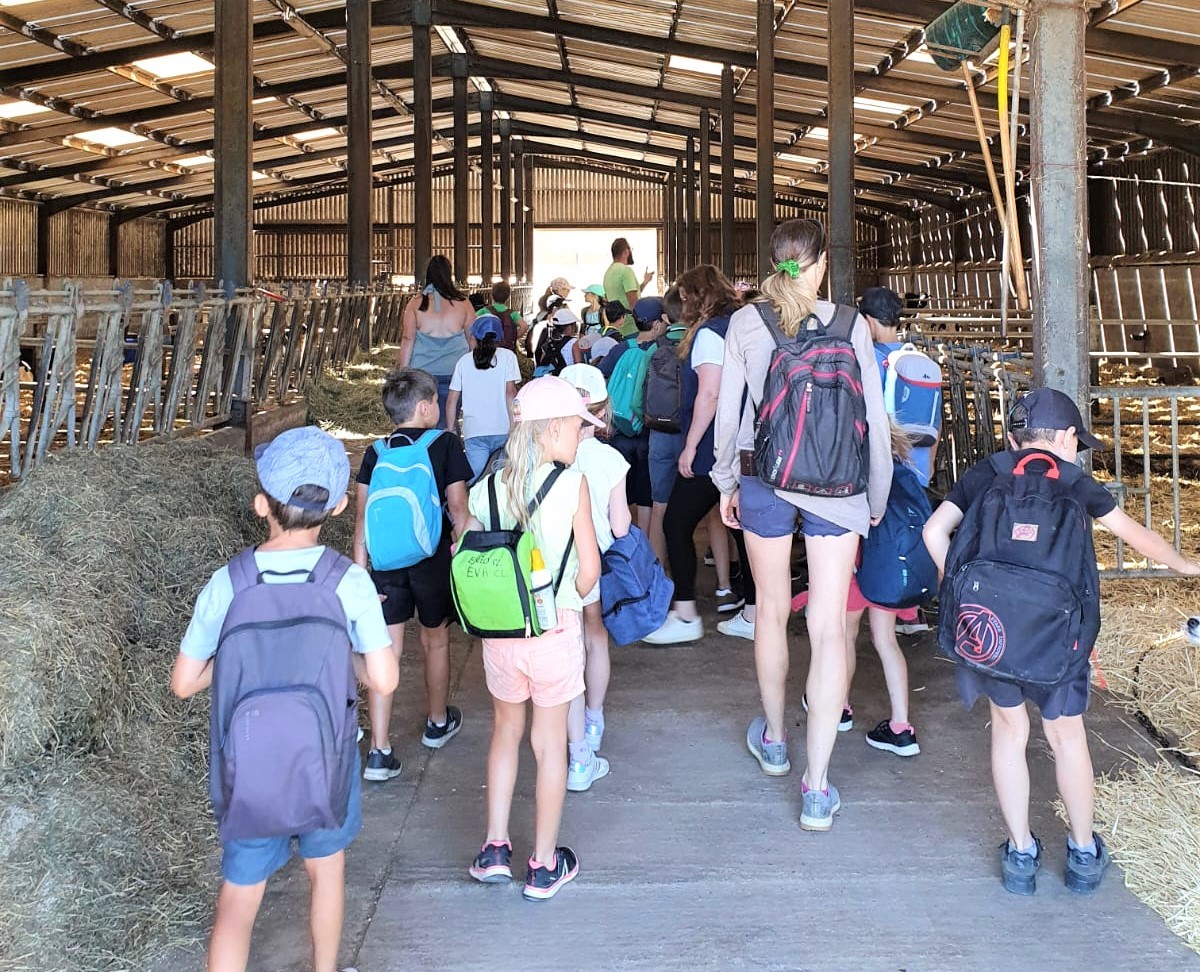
[[582, 256]]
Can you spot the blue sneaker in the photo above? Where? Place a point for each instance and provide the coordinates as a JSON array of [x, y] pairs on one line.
[[493, 863], [1019, 870], [819, 807], [1084, 871], [772, 757]]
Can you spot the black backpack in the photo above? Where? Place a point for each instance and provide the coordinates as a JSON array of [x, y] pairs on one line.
[[507, 324], [1020, 598], [548, 356], [811, 432], [664, 378]]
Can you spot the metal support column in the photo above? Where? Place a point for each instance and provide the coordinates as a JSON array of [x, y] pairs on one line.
[[462, 212], [506, 205], [705, 186], [487, 217], [764, 195], [233, 214], [681, 262], [728, 219], [359, 228], [520, 254], [841, 152], [530, 214], [114, 246], [668, 231], [422, 63], [693, 230], [1059, 193], [41, 263]]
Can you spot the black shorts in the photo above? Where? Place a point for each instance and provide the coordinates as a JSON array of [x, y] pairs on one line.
[[1067, 698], [421, 591], [636, 451]]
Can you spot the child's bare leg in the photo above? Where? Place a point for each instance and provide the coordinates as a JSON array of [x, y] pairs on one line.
[[380, 706], [1073, 770], [503, 755], [853, 623], [436, 642], [658, 540], [548, 737], [326, 876], [895, 668], [576, 722], [718, 540], [1010, 771], [598, 667], [644, 517], [237, 907]]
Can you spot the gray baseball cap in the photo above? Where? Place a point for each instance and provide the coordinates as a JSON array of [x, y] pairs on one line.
[[305, 456]]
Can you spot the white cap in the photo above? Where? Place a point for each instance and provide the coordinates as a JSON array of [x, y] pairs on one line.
[[588, 380]]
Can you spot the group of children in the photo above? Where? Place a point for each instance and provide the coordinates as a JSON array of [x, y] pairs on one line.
[[555, 477]]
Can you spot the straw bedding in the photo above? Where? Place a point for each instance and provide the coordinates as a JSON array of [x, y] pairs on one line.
[[348, 402]]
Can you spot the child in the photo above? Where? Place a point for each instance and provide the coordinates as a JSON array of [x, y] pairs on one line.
[[422, 590], [605, 470], [487, 379], [1044, 421], [547, 669], [303, 475]]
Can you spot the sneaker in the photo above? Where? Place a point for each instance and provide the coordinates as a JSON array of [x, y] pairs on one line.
[[493, 863], [845, 724], [737, 627], [709, 560], [901, 743], [818, 809], [911, 627], [593, 735], [581, 775], [772, 757], [1084, 871], [676, 631], [543, 883], [382, 766], [1018, 871], [437, 736], [728, 601]]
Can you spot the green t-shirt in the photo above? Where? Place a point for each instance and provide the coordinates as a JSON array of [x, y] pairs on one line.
[[498, 309], [619, 280]]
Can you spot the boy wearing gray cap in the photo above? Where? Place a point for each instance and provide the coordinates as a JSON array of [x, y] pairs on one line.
[[279, 635]]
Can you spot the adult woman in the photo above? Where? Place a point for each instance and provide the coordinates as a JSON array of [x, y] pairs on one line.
[[708, 301], [437, 328], [832, 526]]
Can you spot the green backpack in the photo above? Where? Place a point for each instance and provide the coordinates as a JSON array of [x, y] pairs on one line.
[[490, 573]]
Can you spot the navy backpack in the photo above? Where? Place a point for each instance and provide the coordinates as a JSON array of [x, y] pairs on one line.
[[897, 571], [635, 592]]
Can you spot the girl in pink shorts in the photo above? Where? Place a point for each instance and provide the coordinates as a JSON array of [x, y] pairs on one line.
[[548, 416]]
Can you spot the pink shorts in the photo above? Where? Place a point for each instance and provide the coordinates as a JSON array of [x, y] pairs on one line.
[[547, 669], [856, 602]]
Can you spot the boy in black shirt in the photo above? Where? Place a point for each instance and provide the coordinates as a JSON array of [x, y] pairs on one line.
[[422, 590]]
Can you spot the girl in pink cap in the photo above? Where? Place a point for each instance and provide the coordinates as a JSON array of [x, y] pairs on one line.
[[548, 416]]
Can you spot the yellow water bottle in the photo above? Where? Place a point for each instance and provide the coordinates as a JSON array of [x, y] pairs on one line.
[[542, 582]]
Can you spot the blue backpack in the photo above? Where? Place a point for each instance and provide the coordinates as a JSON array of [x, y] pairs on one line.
[[627, 387], [403, 522], [897, 571], [635, 592], [912, 393]]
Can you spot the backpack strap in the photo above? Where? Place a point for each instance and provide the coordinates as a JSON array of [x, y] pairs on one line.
[[546, 487], [562, 567], [329, 569], [428, 437], [770, 317], [493, 503], [243, 571], [842, 323]]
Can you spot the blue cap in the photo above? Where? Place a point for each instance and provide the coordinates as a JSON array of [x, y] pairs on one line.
[[1048, 408], [486, 324], [299, 457], [648, 309]]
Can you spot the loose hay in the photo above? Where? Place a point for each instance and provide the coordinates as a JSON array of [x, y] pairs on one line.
[[348, 403]]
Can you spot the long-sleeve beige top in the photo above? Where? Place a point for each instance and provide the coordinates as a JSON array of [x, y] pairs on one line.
[[748, 350]]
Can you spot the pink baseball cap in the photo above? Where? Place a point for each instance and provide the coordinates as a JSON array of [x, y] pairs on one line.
[[550, 398]]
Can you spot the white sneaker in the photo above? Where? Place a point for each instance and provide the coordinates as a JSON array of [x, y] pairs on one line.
[[580, 776], [676, 631], [911, 628], [737, 627]]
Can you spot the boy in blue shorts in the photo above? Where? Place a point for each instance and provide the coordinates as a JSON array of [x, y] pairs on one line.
[[1044, 422], [303, 476]]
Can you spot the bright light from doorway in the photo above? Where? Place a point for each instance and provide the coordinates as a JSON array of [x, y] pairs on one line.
[[20, 109], [111, 137], [695, 65], [175, 65]]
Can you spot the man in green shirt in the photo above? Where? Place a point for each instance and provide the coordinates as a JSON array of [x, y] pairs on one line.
[[621, 283], [510, 318]]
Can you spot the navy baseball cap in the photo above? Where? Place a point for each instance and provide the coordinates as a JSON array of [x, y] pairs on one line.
[[486, 324], [882, 304], [306, 456], [648, 309], [1048, 408]]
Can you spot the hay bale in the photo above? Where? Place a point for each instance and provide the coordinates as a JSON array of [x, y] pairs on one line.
[[347, 403]]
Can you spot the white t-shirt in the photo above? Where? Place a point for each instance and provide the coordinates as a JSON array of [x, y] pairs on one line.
[[708, 348], [604, 467], [484, 401]]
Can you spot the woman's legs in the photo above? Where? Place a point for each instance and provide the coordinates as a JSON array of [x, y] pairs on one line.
[[853, 623], [548, 737], [691, 500], [895, 667], [749, 589], [443, 385], [503, 756], [658, 513], [770, 559]]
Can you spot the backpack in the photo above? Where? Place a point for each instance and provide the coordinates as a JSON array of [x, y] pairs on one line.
[[284, 722], [507, 324], [635, 592], [490, 572], [661, 399], [548, 356], [403, 521], [811, 432], [1020, 598], [897, 571], [627, 387], [912, 393]]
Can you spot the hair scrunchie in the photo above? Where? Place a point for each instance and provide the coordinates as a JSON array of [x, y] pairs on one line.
[[790, 267]]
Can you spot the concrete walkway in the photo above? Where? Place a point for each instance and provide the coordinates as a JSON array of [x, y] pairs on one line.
[[692, 859]]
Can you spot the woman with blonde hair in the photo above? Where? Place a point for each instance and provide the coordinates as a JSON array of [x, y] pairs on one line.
[[832, 525]]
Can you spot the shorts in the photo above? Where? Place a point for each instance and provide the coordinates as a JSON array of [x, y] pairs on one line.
[[635, 450], [766, 515], [1069, 698], [421, 591], [547, 669], [249, 862], [665, 448]]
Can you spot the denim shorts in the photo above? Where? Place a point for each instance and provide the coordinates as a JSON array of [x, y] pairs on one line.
[[634, 449], [249, 862], [665, 448], [766, 515], [1069, 698]]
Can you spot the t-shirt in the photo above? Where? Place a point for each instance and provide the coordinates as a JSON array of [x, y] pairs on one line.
[[708, 348], [619, 280], [356, 591], [604, 467], [499, 309], [922, 456], [484, 393], [446, 456], [976, 481]]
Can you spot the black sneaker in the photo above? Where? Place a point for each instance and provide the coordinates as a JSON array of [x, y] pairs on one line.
[[437, 736], [493, 863], [845, 723], [1084, 871], [1019, 871], [901, 743], [382, 766], [543, 883]]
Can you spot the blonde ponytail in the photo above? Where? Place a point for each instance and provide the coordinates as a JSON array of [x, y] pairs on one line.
[[796, 245]]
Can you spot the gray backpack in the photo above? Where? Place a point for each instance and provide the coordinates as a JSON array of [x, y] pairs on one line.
[[284, 727]]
